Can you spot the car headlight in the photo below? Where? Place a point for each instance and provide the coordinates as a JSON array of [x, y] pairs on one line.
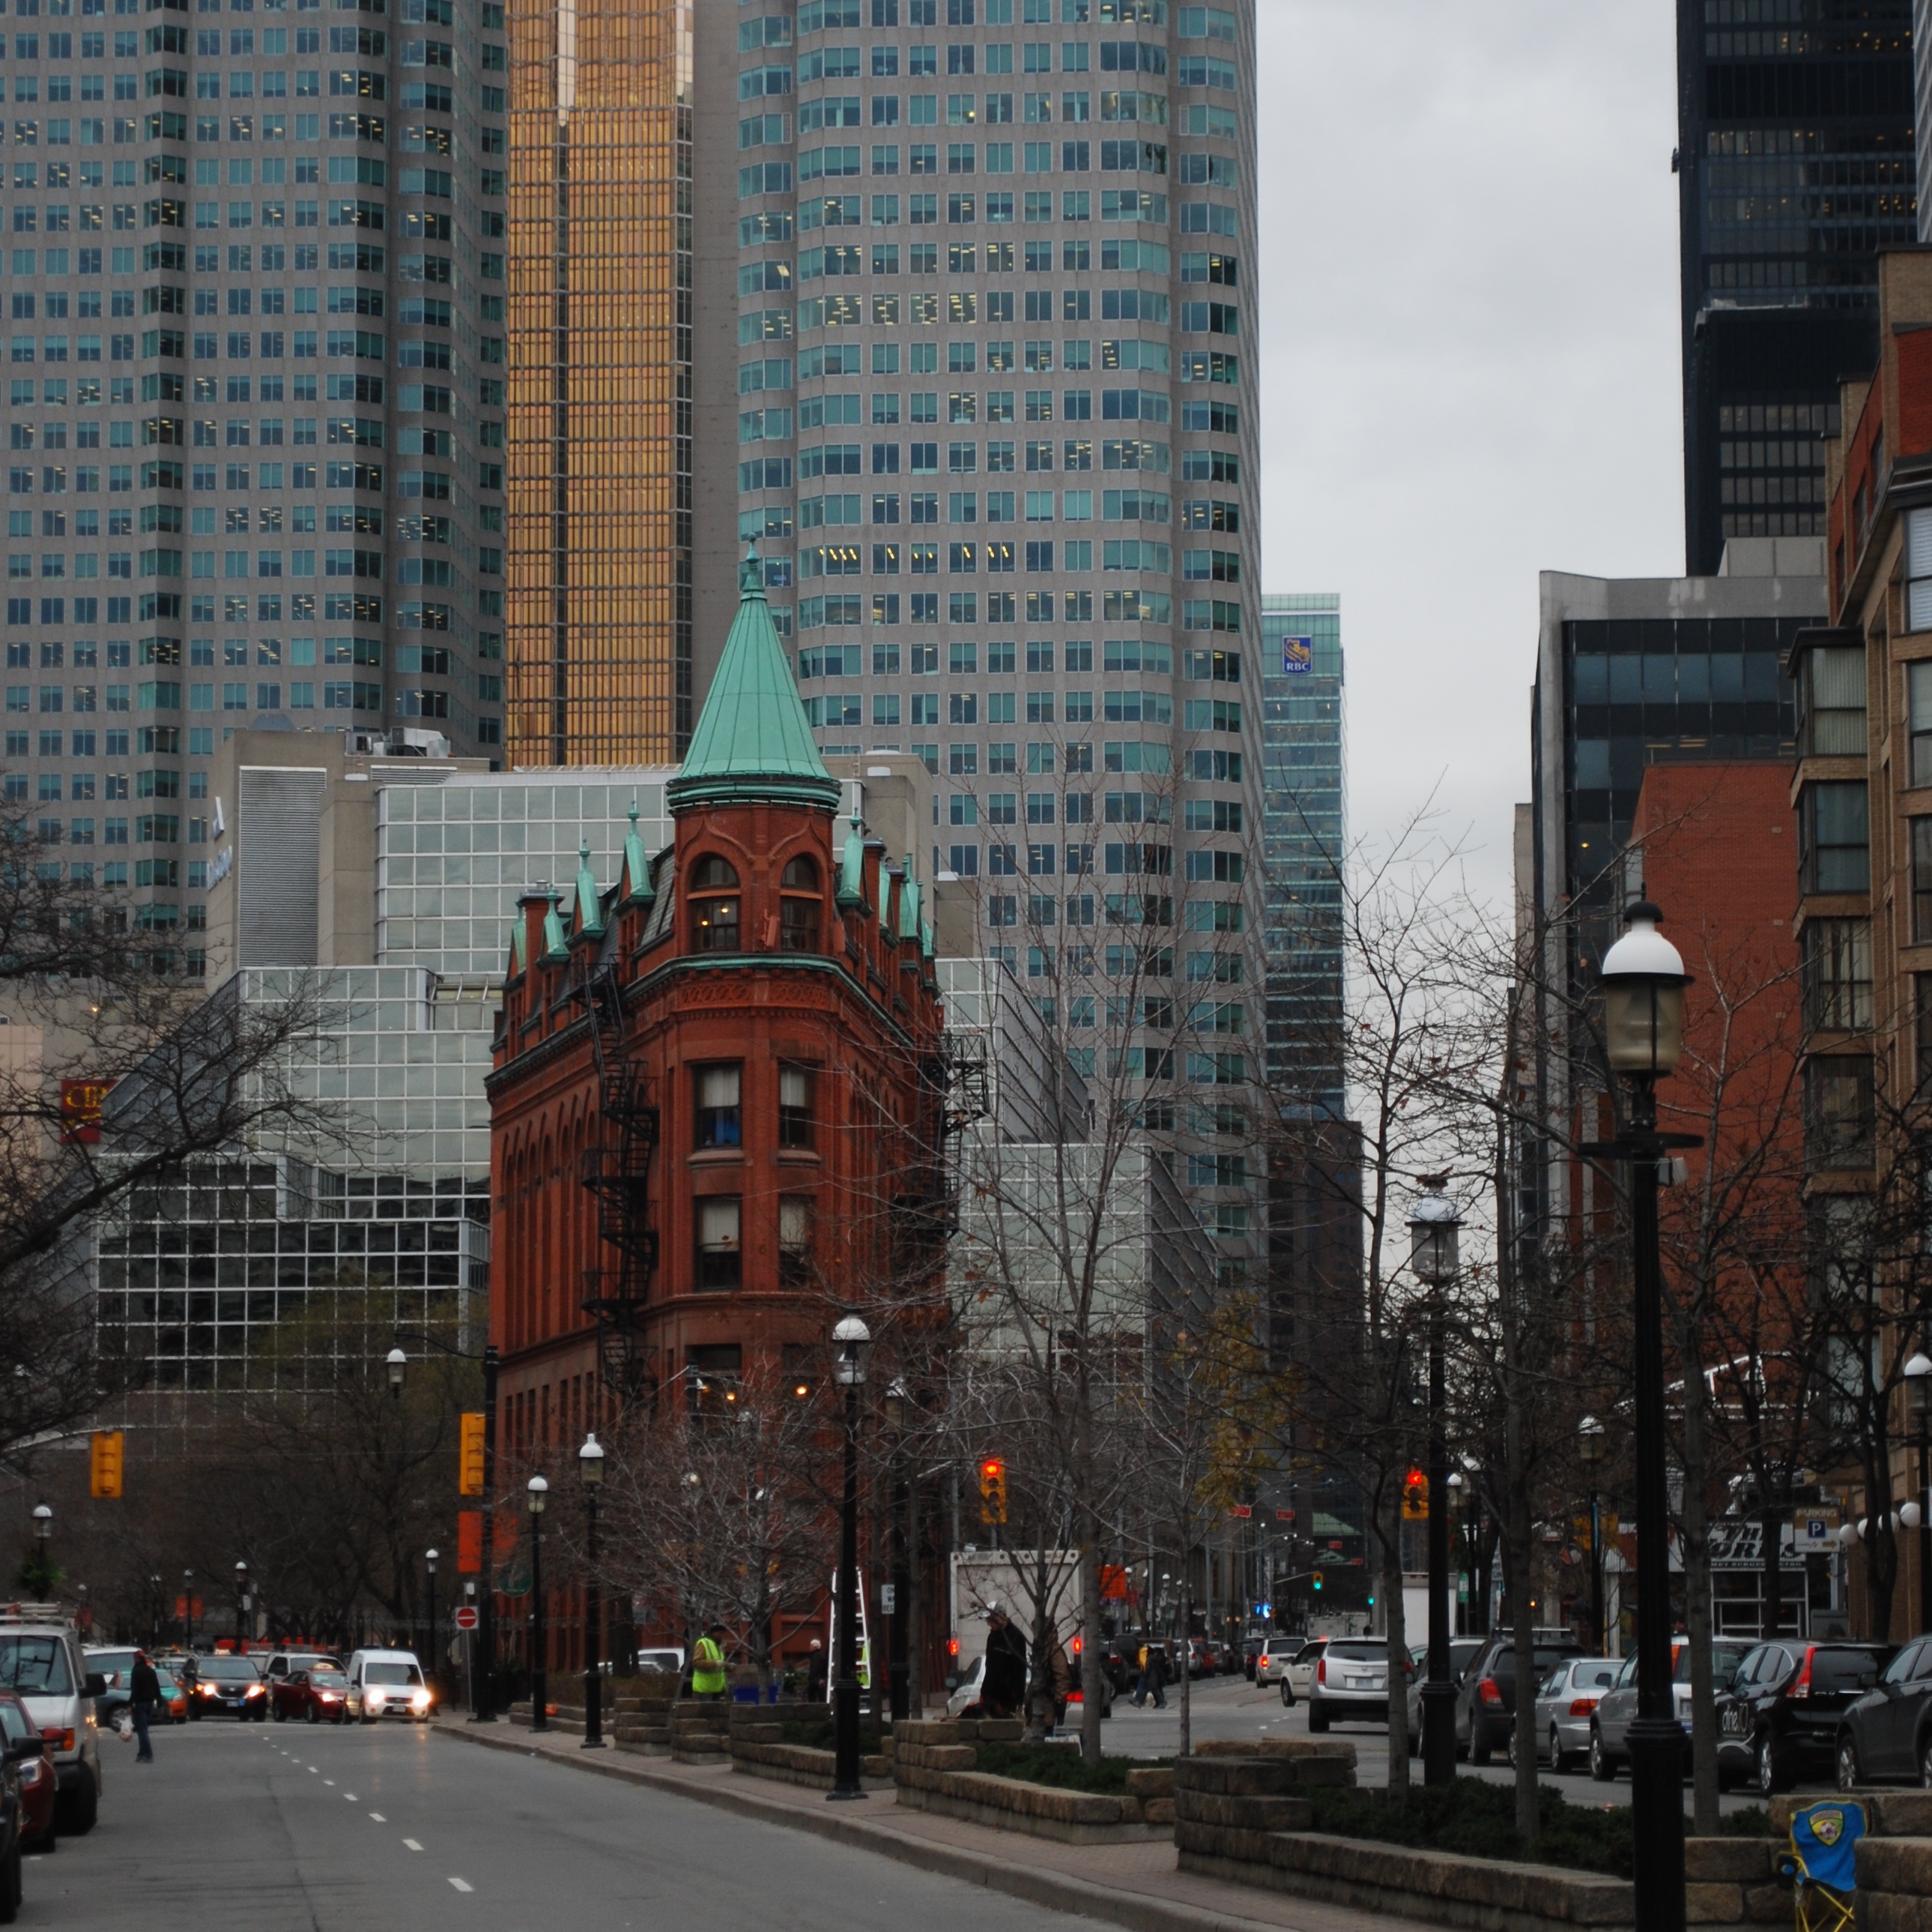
[[419, 1700], [373, 1699]]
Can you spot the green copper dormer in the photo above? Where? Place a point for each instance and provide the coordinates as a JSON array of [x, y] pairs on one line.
[[589, 900], [852, 871], [752, 742], [637, 888], [908, 904], [516, 960], [556, 946]]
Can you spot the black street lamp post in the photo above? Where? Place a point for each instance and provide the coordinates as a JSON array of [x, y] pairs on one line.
[[590, 1471], [429, 1562], [241, 1604], [1644, 980], [1432, 1231], [852, 1340], [483, 1656], [1918, 1512], [1590, 1452], [187, 1612], [538, 1493]]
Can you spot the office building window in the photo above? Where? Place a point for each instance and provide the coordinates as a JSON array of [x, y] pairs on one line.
[[1838, 1111], [717, 1118], [1918, 709], [1834, 837], [1919, 570], [1838, 975], [714, 906], [720, 1253], [1833, 689], [794, 1107]]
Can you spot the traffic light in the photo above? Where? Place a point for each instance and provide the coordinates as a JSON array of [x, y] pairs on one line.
[[1317, 1580], [104, 1463], [1415, 1497], [469, 1455], [993, 1491]]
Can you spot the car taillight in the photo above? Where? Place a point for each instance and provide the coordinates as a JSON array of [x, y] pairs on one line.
[[1582, 1707], [1801, 1685], [1489, 1693], [59, 1741], [1321, 1670]]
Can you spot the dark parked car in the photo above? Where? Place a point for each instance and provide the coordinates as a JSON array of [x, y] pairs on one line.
[[1486, 1698], [231, 1684], [318, 1693], [1782, 1714], [30, 1747], [37, 1776], [1888, 1731]]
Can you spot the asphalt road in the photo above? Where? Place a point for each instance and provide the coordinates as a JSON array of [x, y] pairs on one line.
[[289, 1828], [1231, 1707]]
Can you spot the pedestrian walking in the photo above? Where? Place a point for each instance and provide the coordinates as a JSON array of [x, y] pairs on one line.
[[707, 1664], [144, 1693], [1003, 1689], [1153, 1676], [1064, 1681]]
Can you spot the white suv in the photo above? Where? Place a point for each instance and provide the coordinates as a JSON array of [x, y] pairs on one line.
[[40, 1660], [386, 1684]]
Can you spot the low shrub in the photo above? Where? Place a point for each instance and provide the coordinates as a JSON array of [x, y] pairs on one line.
[[1478, 1820], [1061, 1766], [822, 1734]]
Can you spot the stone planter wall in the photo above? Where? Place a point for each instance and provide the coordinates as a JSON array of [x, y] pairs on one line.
[[759, 1749], [933, 1764]]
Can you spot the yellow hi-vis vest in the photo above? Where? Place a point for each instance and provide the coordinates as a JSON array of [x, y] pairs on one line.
[[707, 1671]]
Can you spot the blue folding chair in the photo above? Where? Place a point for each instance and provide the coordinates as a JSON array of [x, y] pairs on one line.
[[1822, 1864]]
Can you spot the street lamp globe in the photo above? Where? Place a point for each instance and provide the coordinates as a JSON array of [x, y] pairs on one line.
[[537, 1492], [1644, 980], [44, 1523], [590, 1462], [853, 1342], [1590, 1440], [1433, 1231], [1918, 1373], [398, 1362], [430, 1556]]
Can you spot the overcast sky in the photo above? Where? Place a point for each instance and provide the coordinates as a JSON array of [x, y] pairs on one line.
[[1468, 289]]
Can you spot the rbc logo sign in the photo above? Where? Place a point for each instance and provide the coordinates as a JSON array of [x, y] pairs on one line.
[[1298, 655]]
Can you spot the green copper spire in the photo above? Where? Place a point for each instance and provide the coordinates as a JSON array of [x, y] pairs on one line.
[[852, 871], [590, 900], [752, 741], [637, 878], [908, 904]]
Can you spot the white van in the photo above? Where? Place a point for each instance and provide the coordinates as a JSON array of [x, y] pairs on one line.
[[40, 1660], [386, 1684]]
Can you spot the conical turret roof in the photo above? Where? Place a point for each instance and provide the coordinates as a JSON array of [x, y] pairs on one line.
[[752, 740]]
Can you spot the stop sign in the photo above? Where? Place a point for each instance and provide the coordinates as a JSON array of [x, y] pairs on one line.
[[465, 1617]]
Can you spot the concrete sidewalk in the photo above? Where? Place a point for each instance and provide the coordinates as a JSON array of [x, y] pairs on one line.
[[1134, 1885]]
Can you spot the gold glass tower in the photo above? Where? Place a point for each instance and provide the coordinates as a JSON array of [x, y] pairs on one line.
[[599, 622]]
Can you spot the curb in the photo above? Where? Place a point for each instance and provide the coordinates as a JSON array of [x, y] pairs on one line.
[[1058, 1891]]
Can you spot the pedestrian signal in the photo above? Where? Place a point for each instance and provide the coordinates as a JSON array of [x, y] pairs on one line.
[[992, 1491], [469, 1456], [104, 1463], [1415, 1497]]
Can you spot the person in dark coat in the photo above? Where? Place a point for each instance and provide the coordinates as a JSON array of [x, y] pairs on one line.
[[1003, 1689], [144, 1693]]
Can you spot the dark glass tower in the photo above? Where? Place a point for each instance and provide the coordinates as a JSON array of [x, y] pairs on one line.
[[1795, 162]]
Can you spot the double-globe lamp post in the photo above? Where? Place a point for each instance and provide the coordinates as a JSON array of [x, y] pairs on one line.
[[1433, 1230], [852, 1342], [1590, 1453], [1643, 980], [537, 1492], [1917, 1514], [590, 1473]]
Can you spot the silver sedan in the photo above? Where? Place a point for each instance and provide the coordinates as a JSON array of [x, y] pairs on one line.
[[1566, 1701]]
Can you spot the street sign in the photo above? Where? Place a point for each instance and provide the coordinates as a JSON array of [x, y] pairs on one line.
[[465, 1618]]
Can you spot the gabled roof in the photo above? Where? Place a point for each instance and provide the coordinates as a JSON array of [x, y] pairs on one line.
[[752, 740]]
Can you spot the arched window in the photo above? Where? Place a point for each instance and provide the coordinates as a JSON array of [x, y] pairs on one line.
[[714, 905], [798, 914]]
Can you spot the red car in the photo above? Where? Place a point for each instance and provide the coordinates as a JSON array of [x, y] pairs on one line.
[[319, 1694], [36, 1775]]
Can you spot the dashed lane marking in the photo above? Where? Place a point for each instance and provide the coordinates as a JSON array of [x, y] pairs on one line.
[[462, 1885], [412, 1845], [378, 1818]]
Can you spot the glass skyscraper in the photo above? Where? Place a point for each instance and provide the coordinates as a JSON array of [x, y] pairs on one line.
[[1303, 830], [255, 409], [1796, 167], [996, 431]]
